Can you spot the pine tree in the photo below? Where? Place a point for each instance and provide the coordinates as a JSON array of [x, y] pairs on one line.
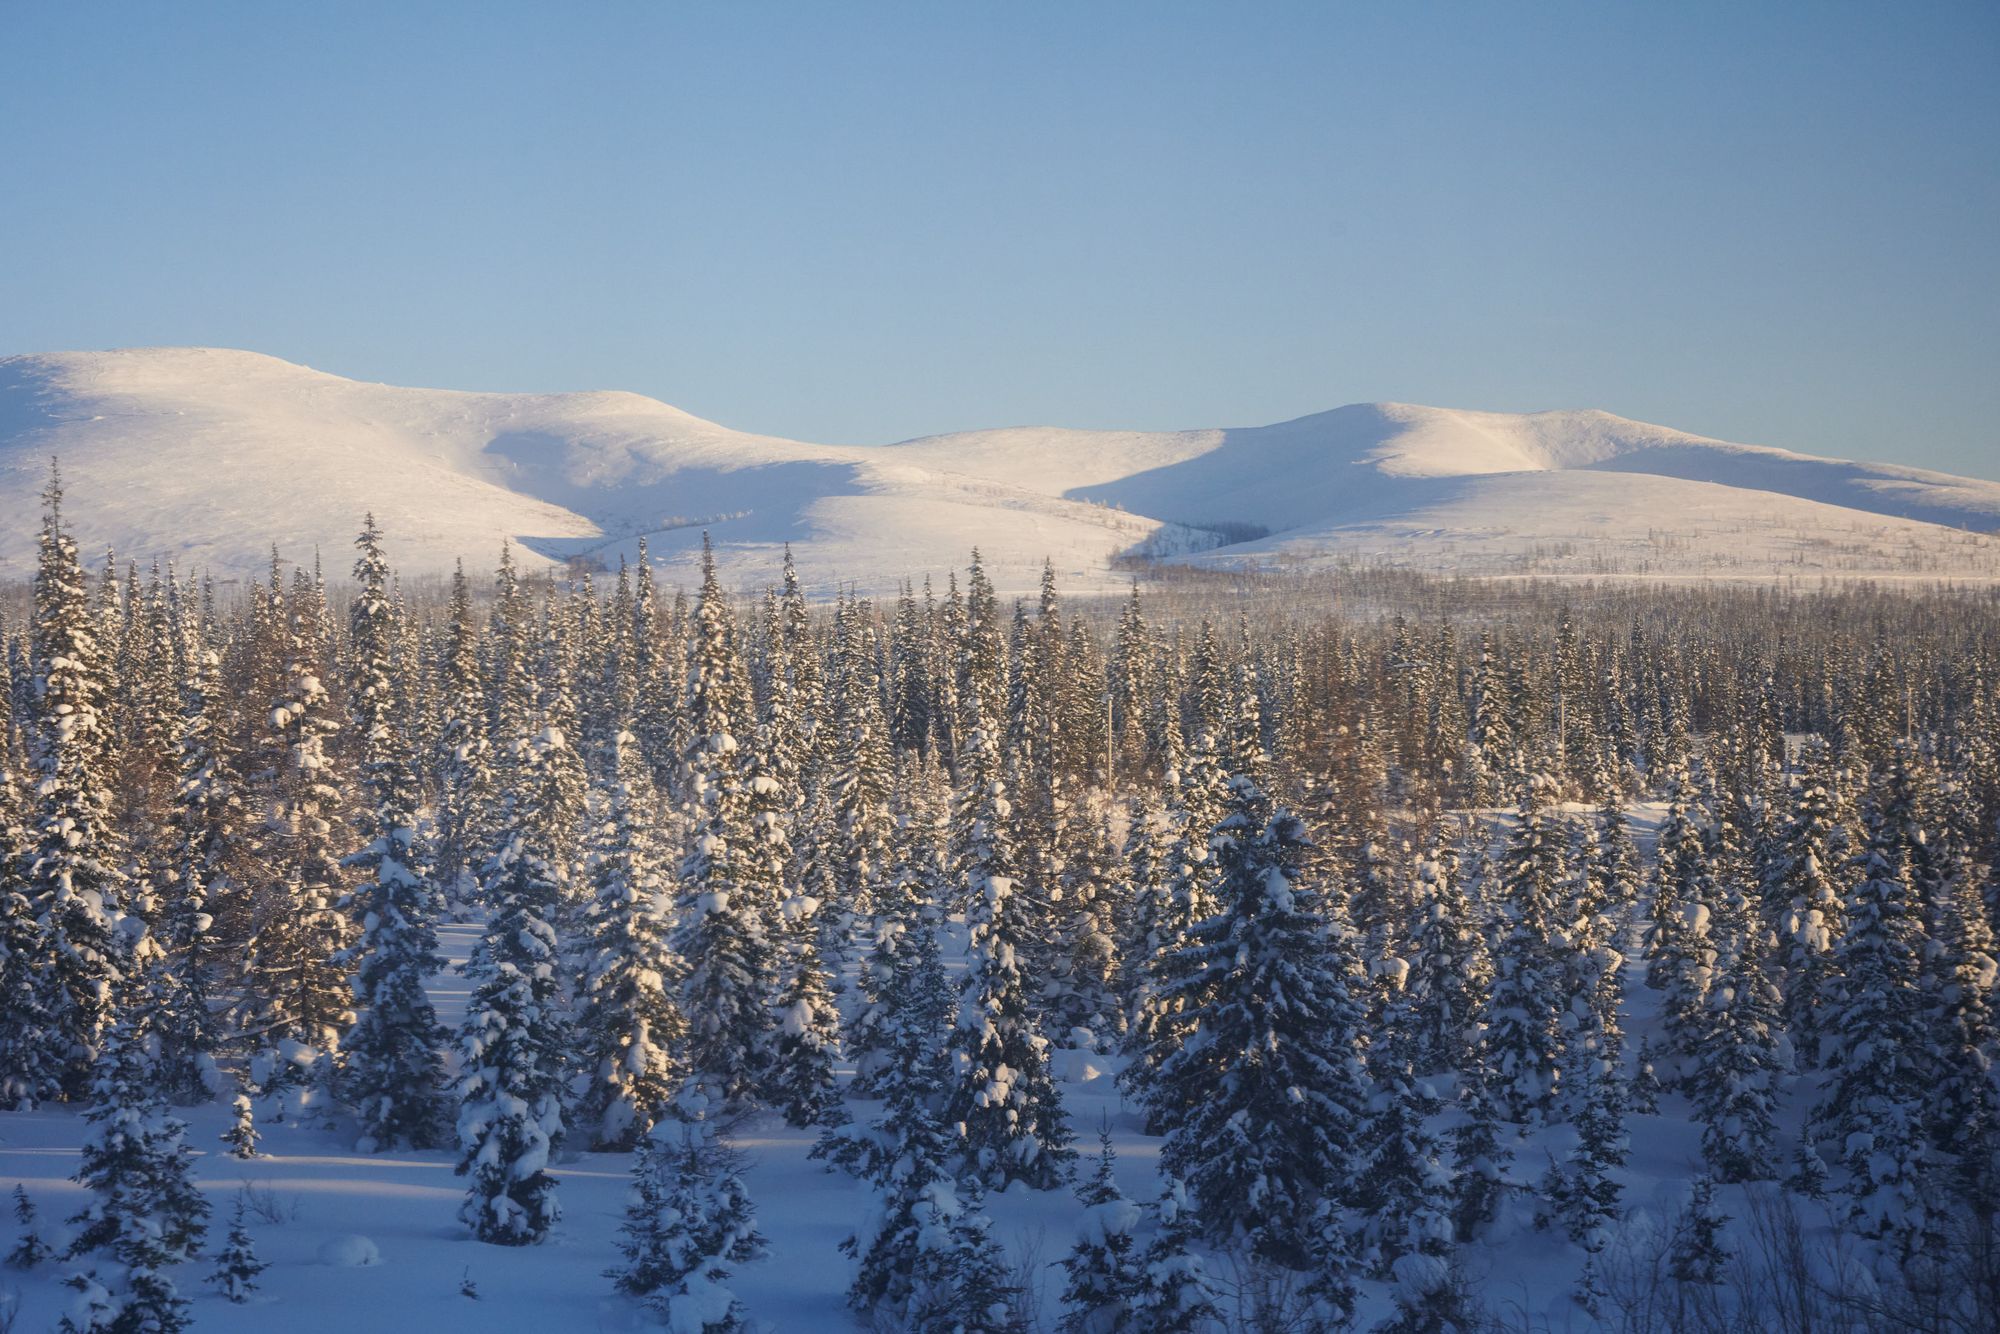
[[147, 1214], [1266, 1100], [237, 1265], [631, 1034], [514, 1043], [392, 1075]]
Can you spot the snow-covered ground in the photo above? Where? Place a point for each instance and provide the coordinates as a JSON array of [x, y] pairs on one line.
[[208, 456], [321, 1210]]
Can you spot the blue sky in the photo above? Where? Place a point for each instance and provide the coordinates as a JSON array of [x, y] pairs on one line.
[[862, 222]]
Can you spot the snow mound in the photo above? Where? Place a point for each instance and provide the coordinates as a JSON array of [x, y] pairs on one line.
[[349, 1250]]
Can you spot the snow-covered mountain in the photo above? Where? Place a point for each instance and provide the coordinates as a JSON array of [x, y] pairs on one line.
[[211, 456]]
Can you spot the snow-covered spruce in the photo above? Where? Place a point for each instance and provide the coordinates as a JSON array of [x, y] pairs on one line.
[[392, 1073], [1267, 1099], [146, 1214], [630, 1032], [688, 1221], [513, 1044]]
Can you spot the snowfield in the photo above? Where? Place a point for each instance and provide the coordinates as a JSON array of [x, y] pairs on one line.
[[208, 457]]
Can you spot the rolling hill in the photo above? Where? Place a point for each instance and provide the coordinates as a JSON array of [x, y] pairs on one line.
[[210, 457]]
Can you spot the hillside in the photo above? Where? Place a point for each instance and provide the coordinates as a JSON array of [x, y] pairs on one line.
[[208, 457]]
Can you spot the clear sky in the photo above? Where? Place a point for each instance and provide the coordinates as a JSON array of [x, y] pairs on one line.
[[1777, 223]]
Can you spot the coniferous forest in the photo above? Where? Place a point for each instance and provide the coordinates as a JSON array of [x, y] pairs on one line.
[[1362, 951]]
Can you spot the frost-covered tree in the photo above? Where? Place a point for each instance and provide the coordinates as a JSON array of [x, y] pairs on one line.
[[1872, 1112], [1103, 1271], [203, 824], [1266, 1099], [1531, 986], [1734, 1082], [731, 886], [1696, 1251], [630, 1034], [1004, 1103], [236, 1264], [31, 1250], [146, 1215], [393, 1072], [1804, 899], [924, 1259], [463, 763], [1680, 955], [514, 1043], [297, 989], [72, 879], [1449, 971], [688, 1222]]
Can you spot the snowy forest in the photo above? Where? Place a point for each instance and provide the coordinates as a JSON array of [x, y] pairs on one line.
[[1368, 952]]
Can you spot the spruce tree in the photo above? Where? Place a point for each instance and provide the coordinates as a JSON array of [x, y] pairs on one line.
[[1003, 1103], [1531, 985], [631, 1035], [1872, 1112], [1103, 1272], [730, 888], [146, 1214], [237, 1265], [514, 1043], [30, 1251], [393, 1073], [688, 1222], [72, 880], [1266, 1099]]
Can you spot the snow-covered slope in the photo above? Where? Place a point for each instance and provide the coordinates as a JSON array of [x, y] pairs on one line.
[[210, 457]]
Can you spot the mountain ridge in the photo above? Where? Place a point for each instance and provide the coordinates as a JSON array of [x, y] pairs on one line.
[[208, 456]]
